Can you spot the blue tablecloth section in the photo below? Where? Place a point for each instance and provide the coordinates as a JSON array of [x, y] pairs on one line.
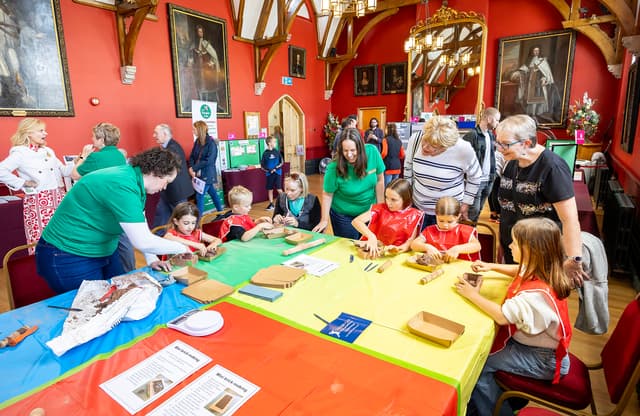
[[19, 363]]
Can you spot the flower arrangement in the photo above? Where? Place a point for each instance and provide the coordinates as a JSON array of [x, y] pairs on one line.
[[331, 129], [583, 117]]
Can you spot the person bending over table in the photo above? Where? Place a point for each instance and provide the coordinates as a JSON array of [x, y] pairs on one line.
[[352, 183], [81, 239], [537, 183], [441, 164], [296, 207], [40, 175], [395, 223]]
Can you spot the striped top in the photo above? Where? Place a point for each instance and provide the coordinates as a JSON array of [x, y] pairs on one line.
[[455, 172]]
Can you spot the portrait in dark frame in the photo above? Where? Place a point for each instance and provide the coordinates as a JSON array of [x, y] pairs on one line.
[[365, 80], [199, 57], [534, 76], [297, 62], [394, 78], [34, 77]]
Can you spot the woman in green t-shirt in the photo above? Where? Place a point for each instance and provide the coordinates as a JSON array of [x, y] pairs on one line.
[[353, 182]]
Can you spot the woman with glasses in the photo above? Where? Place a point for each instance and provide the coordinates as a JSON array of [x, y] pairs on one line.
[[353, 182], [296, 207], [442, 165], [536, 183]]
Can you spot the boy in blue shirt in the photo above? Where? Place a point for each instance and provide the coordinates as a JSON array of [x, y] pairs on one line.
[[271, 164]]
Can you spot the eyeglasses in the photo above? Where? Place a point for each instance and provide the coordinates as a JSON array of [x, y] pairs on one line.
[[507, 146]]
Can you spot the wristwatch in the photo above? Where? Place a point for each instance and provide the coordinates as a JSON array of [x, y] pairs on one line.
[[576, 259]]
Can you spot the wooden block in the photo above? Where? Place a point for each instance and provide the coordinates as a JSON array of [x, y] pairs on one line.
[[303, 246], [431, 276], [277, 276], [298, 237], [189, 275], [384, 266], [210, 256], [207, 291]]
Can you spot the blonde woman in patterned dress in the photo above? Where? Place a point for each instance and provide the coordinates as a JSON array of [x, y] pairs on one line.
[[39, 175]]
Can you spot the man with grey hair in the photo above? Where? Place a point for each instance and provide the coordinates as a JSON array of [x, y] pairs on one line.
[[180, 189], [482, 139]]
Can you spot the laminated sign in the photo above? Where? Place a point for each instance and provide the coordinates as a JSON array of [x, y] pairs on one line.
[[346, 327]]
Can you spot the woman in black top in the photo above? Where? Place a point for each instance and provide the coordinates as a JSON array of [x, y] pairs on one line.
[[296, 207]]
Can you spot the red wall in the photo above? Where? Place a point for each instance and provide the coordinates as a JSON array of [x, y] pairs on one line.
[[504, 18], [94, 70]]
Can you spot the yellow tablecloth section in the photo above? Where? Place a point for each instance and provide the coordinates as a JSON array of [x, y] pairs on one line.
[[390, 299]]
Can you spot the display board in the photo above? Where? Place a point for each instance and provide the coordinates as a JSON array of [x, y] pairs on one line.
[[243, 152]]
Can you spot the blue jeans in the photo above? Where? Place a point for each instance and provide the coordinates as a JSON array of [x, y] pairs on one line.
[[481, 197], [341, 225], [428, 220], [213, 193], [126, 254], [516, 358], [389, 178], [65, 271]]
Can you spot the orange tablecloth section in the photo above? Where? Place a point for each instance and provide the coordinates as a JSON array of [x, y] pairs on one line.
[[298, 373]]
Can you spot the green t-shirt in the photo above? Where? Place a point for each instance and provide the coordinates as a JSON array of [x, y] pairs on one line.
[[87, 222], [107, 157], [352, 195]]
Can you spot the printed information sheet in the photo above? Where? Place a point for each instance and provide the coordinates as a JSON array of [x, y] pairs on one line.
[[217, 392], [312, 265], [153, 377]]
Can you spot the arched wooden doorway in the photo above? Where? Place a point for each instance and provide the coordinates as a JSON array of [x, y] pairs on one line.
[[287, 114]]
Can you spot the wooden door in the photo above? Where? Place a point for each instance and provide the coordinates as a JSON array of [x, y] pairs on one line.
[[366, 113]]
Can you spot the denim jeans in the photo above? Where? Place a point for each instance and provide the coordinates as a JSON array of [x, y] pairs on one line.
[[126, 254], [389, 178], [516, 358], [481, 197], [428, 220], [341, 225], [213, 193], [65, 271]]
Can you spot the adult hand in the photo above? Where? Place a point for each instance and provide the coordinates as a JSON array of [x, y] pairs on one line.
[[87, 150], [264, 219], [322, 225], [573, 270], [464, 211], [30, 184], [163, 266], [279, 219], [192, 173]]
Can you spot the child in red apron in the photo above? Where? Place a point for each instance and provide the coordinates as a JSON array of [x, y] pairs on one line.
[[534, 333], [183, 228], [394, 223]]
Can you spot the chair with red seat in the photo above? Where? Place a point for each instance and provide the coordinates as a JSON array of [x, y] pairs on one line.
[[211, 222], [620, 362], [24, 284]]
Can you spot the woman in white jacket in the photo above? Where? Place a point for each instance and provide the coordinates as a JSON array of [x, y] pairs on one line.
[[39, 175]]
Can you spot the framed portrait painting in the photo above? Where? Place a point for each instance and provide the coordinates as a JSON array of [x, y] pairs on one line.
[[34, 77], [297, 62], [199, 58], [534, 76], [394, 78], [365, 80]]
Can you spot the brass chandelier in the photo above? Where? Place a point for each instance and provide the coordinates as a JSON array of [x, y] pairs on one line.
[[340, 7]]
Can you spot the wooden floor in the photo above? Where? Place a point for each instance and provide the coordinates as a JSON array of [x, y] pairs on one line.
[[587, 347]]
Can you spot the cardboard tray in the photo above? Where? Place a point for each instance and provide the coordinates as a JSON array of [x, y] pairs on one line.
[[277, 232], [411, 261], [277, 276], [207, 291], [298, 237], [188, 275], [435, 328], [220, 251], [183, 260]]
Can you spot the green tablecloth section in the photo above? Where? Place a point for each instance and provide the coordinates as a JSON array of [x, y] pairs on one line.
[[244, 258], [390, 299]]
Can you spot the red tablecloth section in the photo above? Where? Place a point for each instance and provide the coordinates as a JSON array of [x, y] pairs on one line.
[[298, 373]]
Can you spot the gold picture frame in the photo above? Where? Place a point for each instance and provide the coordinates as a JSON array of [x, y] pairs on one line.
[[251, 124], [199, 59], [534, 76], [28, 89]]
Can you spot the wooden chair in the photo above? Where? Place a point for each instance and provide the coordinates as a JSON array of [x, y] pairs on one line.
[[489, 242], [24, 285], [620, 362], [154, 230], [211, 222]]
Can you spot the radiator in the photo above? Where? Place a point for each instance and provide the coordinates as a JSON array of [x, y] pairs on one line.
[[617, 228], [600, 184]]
